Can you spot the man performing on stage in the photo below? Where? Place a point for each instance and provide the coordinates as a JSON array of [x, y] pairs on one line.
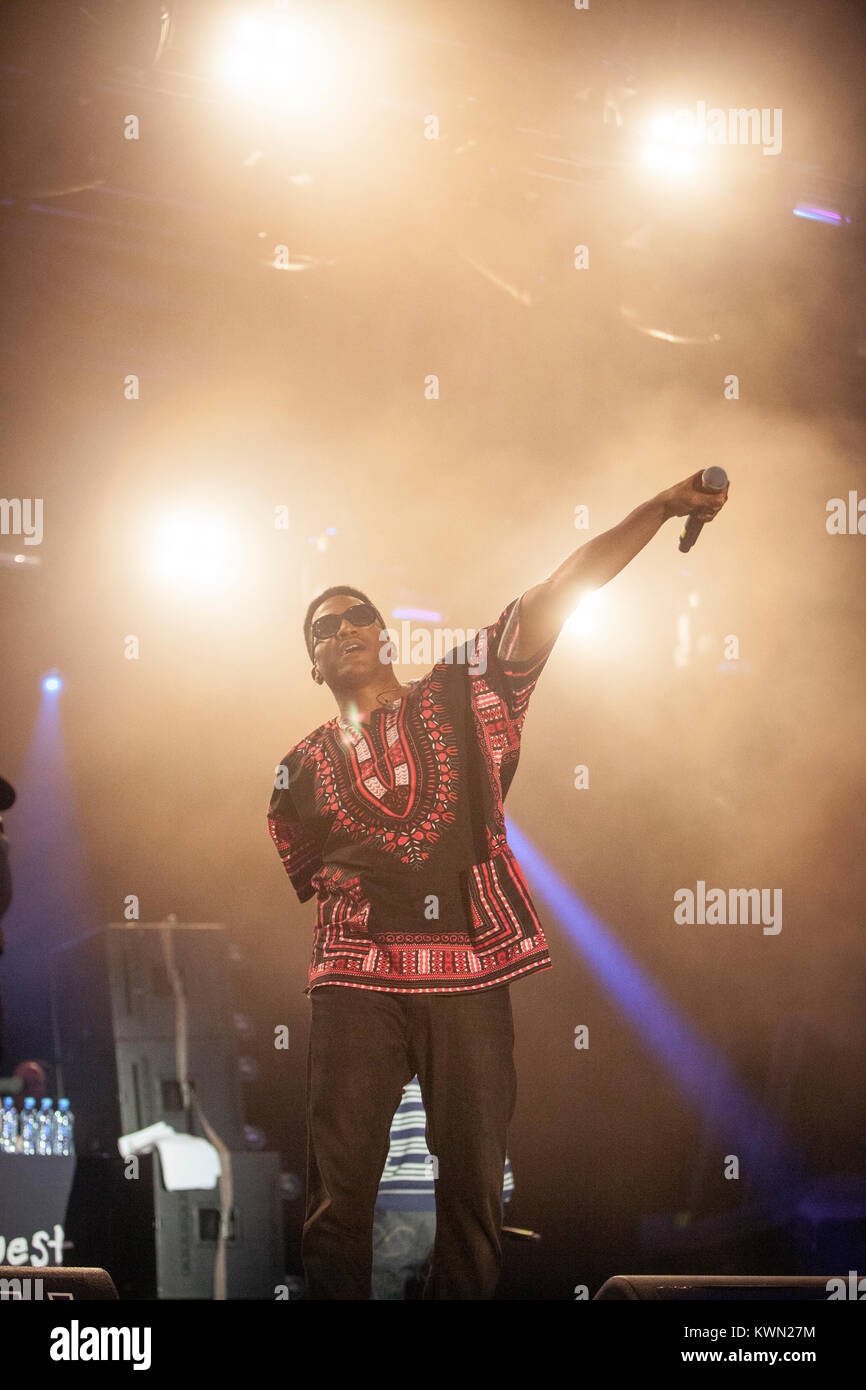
[[391, 814]]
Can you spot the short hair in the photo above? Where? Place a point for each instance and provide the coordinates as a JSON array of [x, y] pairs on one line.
[[332, 593]]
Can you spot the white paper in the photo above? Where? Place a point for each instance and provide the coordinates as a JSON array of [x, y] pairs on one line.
[[143, 1140], [186, 1161]]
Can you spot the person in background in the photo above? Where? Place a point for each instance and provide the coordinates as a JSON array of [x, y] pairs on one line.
[[404, 1224], [34, 1082]]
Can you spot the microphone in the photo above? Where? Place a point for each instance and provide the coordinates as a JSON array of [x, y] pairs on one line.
[[712, 480]]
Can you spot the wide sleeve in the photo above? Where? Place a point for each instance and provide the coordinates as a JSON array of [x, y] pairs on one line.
[[297, 844], [491, 656]]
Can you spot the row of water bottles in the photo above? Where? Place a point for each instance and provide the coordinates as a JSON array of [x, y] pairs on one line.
[[44, 1132]]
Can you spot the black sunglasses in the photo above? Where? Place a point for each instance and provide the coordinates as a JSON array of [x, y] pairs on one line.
[[361, 615]]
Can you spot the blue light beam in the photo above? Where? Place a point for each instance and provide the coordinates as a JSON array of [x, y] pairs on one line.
[[702, 1073]]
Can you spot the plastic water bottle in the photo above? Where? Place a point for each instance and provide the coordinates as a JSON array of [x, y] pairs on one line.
[[64, 1122], [9, 1127], [45, 1129], [29, 1126]]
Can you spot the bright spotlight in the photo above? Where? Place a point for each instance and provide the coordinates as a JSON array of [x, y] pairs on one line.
[[194, 552], [52, 683], [281, 59], [584, 620], [672, 138], [675, 128], [665, 159]]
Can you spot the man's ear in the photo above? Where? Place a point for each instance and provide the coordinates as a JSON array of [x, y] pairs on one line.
[[317, 676]]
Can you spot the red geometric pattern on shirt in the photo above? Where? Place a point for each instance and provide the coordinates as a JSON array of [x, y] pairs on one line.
[[498, 736], [297, 849], [341, 958], [343, 953], [399, 795], [501, 949]]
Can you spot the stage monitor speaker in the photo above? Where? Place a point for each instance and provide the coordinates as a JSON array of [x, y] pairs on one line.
[[114, 983], [31, 1284], [108, 989], [136, 1084], [697, 1287], [161, 1244]]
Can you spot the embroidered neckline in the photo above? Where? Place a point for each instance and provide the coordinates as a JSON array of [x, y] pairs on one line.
[[390, 707]]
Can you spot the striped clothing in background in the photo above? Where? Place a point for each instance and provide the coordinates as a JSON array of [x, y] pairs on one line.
[[407, 1179]]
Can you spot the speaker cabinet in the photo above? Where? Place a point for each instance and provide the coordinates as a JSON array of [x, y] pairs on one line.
[[755, 1287], [160, 1244], [114, 1025]]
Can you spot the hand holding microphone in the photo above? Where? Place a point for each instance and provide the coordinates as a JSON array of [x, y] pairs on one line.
[[700, 498]]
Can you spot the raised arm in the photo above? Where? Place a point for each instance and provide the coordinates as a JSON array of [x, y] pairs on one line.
[[547, 606]]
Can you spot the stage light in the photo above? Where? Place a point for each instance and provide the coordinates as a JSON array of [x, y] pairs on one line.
[[281, 59], [248, 1068], [670, 145], [584, 620], [834, 219], [194, 551], [418, 615], [675, 129], [255, 1139], [290, 1186], [8, 559], [666, 160], [51, 684]]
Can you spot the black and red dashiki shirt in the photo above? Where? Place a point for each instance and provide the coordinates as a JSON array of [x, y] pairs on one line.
[[417, 889]]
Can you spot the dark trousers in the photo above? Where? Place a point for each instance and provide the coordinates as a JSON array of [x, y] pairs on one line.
[[365, 1046]]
